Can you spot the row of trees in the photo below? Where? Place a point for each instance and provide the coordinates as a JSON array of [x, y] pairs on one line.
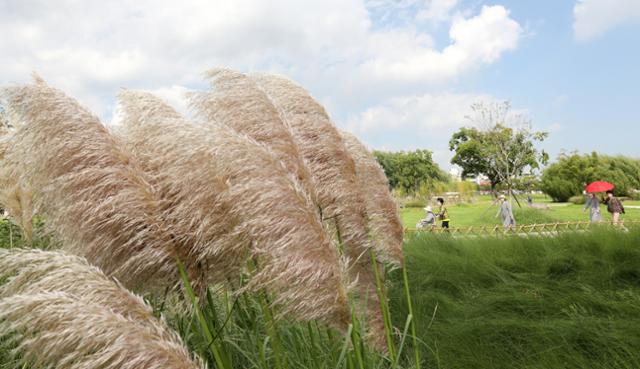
[[571, 172], [501, 145]]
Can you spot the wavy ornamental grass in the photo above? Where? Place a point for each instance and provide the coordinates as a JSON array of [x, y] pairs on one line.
[[244, 190], [234, 183], [58, 311]]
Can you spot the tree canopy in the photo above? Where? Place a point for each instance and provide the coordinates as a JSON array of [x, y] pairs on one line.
[[500, 145], [408, 170], [572, 172]]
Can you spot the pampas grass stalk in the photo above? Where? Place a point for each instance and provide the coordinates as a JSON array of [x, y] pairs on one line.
[[17, 201], [236, 101], [224, 188], [15, 197], [58, 311], [88, 186], [334, 173], [382, 210]]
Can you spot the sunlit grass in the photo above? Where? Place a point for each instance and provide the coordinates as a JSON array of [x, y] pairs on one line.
[[483, 211]]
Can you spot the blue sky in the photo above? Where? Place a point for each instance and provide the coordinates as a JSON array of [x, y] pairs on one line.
[[588, 88], [399, 74]]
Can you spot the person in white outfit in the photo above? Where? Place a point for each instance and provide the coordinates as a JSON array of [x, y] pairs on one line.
[[505, 212], [429, 220]]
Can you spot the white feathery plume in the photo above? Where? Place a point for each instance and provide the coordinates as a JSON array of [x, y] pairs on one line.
[[58, 311], [236, 101], [89, 188], [334, 173], [221, 188], [384, 218]]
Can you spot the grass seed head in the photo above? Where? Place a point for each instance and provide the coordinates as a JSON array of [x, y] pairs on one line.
[[93, 194], [221, 187], [384, 217], [334, 173], [59, 311]]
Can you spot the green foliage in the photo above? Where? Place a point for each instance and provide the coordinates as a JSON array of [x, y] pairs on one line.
[[571, 173], [407, 171], [565, 302], [11, 235], [466, 190], [502, 150], [578, 200], [415, 203]]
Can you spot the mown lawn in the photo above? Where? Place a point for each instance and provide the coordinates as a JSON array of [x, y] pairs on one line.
[[567, 302], [483, 212]]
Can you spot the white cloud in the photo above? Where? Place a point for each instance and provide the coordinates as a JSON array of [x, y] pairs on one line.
[[594, 17], [411, 122], [475, 41], [428, 114], [384, 76], [437, 10]]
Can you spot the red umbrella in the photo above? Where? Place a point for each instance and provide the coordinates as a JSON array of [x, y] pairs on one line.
[[599, 186]]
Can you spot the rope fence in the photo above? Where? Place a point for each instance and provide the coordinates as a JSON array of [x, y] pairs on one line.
[[526, 229]]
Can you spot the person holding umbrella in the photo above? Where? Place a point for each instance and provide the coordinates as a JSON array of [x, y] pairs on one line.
[[593, 204], [614, 206]]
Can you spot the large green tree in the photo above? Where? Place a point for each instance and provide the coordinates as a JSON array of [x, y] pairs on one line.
[[572, 172], [408, 170], [500, 145]]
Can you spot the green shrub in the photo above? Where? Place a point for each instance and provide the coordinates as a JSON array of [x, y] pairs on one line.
[[578, 200], [560, 190], [568, 176], [414, 203]]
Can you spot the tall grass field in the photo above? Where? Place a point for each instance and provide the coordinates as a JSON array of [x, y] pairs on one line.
[[571, 301]]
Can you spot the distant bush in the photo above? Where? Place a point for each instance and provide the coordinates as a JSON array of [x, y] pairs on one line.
[[568, 176], [559, 189], [578, 200], [414, 203], [466, 190]]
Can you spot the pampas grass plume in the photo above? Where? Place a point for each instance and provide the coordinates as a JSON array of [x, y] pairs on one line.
[[92, 192], [58, 311], [216, 177], [382, 210]]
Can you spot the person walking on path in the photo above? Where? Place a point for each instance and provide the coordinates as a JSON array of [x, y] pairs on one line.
[[614, 206], [505, 212], [443, 213], [593, 204]]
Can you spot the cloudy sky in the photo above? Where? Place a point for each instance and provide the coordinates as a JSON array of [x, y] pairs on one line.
[[400, 74]]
